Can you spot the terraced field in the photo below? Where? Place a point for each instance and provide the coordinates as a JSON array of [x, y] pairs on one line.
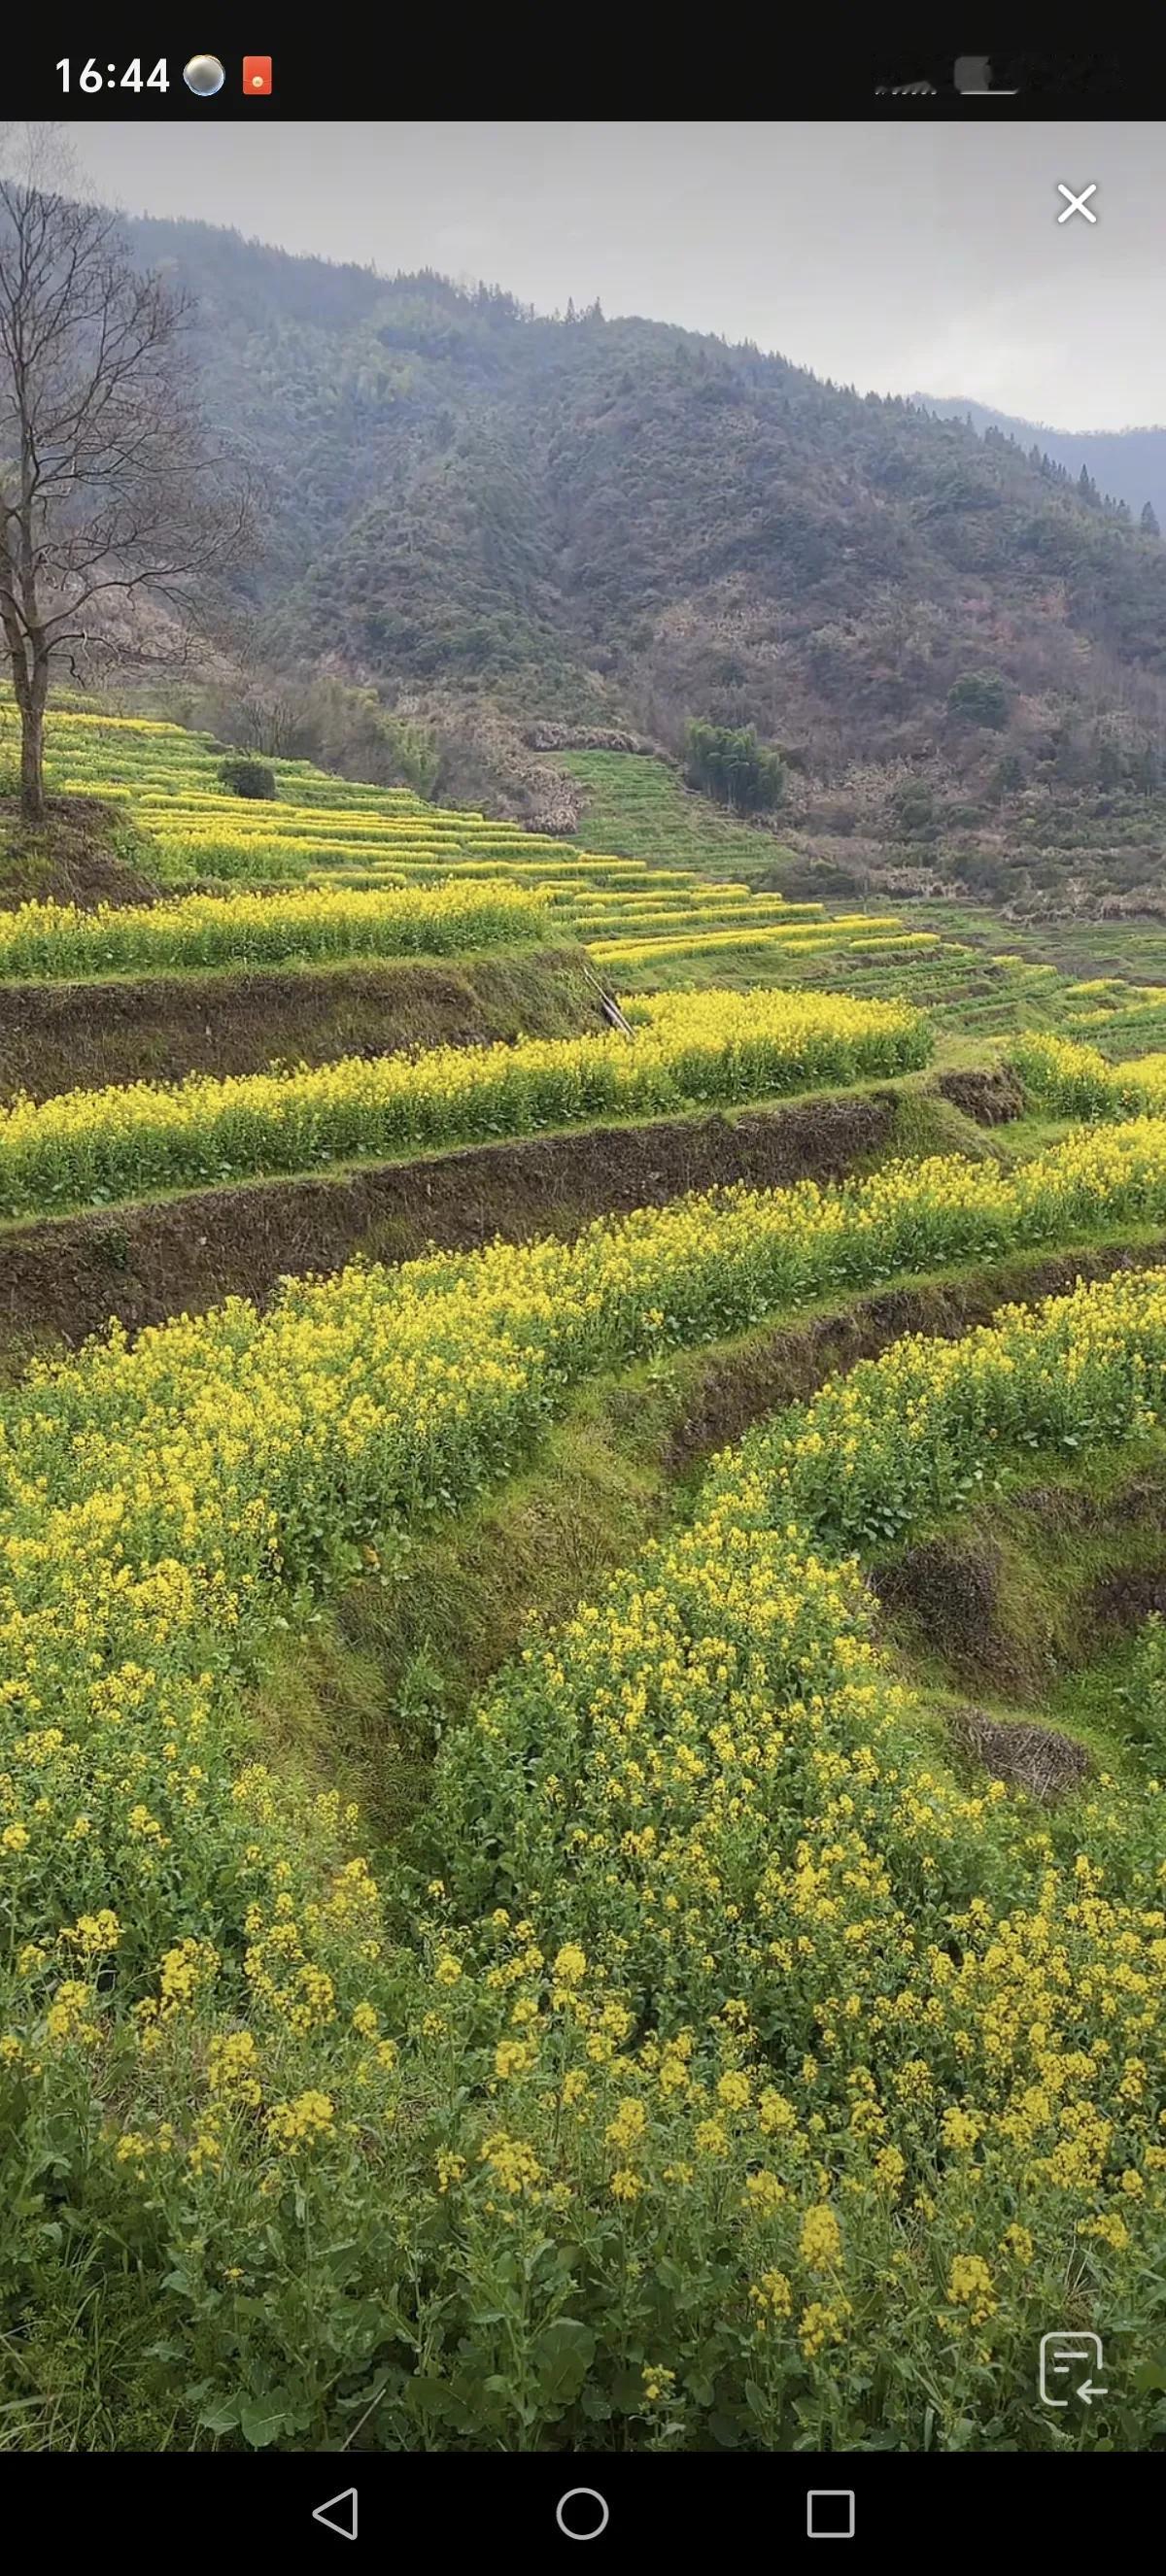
[[640, 806], [582, 1708], [652, 926]]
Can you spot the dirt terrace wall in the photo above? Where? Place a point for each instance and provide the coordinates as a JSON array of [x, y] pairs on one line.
[[789, 1364], [67, 1276], [64, 1037]]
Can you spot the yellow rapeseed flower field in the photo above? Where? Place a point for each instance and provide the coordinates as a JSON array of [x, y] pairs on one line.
[[50, 940], [714, 2061], [689, 1049], [1068, 1080], [719, 1975]]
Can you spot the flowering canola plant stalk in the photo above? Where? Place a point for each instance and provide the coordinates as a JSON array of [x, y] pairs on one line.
[[1073, 1081], [786, 2074], [693, 1049], [40, 941]]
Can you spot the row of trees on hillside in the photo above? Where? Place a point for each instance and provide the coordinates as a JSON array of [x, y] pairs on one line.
[[1083, 483]]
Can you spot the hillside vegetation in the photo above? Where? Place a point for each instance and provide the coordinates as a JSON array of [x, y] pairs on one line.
[[575, 1871], [582, 1394], [1130, 464], [493, 517]]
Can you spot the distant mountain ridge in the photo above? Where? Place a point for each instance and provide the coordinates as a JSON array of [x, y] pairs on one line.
[[621, 524], [455, 484], [1129, 463]]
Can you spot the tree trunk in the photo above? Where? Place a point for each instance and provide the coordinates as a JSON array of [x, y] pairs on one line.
[[32, 754], [32, 748]]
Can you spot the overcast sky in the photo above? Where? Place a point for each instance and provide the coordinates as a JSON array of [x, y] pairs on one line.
[[896, 257]]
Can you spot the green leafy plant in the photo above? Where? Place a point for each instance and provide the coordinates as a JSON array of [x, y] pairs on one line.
[[247, 777]]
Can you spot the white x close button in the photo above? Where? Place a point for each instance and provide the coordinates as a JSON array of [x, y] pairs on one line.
[[1077, 202]]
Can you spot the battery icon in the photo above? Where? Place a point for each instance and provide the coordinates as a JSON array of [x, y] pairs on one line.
[[257, 75]]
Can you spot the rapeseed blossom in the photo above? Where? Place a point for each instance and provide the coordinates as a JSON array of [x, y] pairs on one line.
[[785, 2012], [1069, 1080], [692, 1049], [44, 940]]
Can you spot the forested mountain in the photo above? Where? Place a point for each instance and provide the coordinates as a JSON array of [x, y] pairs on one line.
[[1128, 463], [623, 522]]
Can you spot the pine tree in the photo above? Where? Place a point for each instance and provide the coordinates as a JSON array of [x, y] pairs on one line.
[[1149, 521]]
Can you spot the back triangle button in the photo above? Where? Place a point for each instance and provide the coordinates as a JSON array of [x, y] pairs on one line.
[[338, 2513]]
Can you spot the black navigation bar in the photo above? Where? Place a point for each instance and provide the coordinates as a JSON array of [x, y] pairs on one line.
[[605, 2511]]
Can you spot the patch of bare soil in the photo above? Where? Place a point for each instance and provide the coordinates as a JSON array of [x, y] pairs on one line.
[[990, 1094], [950, 1592], [1036, 1758], [1126, 1598], [1068, 1508]]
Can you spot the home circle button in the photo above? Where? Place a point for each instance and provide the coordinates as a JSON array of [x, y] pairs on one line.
[[582, 2513]]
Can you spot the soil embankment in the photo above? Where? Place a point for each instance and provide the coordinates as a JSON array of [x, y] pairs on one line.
[[65, 1277]]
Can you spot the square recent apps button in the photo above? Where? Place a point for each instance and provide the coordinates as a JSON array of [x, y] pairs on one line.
[[830, 2513]]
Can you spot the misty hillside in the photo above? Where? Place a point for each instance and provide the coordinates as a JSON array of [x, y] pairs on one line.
[[620, 521], [1128, 463]]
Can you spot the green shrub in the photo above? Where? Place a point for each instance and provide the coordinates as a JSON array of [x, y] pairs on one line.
[[246, 777], [913, 810], [728, 762], [981, 698]]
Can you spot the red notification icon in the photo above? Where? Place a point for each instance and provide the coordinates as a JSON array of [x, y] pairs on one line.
[[257, 75]]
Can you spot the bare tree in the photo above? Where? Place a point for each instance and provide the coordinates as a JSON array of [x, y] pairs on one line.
[[116, 518]]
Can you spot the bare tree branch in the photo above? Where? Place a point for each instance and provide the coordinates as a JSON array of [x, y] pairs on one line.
[[112, 499]]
